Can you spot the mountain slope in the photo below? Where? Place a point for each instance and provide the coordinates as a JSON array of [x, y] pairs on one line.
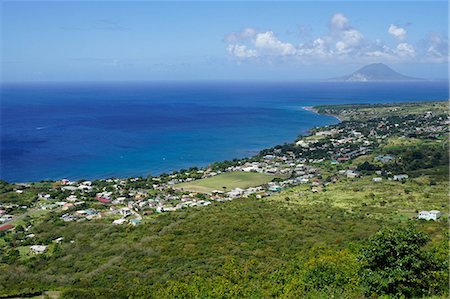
[[375, 72]]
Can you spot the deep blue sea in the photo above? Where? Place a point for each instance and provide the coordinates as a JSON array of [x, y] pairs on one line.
[[101, 130]]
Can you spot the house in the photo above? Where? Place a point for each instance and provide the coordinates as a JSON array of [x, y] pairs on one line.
[[104, 200], [377, 180], [302, 143], [250, 169], [38, 249], [275, 188], [125, 211], [400, 177], [135, 222], [119, 200], [6, 218], [68, 217], [72, 198], [67, 206], [384, 159], [6, 227], [429, 215], [69, 188], [236, 192], [48, 206], [119, 221], [58, 240], [352, 174]]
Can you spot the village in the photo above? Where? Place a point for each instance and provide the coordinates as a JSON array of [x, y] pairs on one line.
[[331, 150]]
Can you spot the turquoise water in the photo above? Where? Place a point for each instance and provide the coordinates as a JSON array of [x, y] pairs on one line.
[[100, 130]]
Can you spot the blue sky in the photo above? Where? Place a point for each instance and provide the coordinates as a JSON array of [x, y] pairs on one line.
[[115, 40]]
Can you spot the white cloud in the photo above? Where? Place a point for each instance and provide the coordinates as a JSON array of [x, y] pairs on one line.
[[343, 42], [349, 40], [268, 42], [318, 49], [405, 49], [346, 38], [435, 48], [398, 32], [241, 51], [339, 21], [245, 33]]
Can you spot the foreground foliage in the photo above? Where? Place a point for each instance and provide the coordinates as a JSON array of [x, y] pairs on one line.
[[396, 263]]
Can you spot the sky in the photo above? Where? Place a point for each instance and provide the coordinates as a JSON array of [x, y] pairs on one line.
[[148, 40]]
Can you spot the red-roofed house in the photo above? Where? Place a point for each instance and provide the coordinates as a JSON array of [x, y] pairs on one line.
[[6, 227], [104, 200]]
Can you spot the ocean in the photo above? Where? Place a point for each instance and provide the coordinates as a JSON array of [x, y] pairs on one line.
[[101, 130]]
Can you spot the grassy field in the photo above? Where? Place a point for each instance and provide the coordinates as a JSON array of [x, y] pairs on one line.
[[227, 181], [388, 200]]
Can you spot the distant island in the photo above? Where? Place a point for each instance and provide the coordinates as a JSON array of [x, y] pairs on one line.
[[378, 72]]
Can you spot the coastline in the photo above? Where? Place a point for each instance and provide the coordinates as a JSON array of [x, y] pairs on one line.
[[252, 155], [108, 143], [314, 110], [311, 109]]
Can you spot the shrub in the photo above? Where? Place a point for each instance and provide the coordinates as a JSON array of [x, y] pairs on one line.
[[396, 263]]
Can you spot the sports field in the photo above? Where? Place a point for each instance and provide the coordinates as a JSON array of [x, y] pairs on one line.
[[227, 181]]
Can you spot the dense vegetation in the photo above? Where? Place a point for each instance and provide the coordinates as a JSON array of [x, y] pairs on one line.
[[245, 248]]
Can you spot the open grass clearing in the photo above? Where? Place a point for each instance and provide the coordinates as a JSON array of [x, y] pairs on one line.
[[227, 181]]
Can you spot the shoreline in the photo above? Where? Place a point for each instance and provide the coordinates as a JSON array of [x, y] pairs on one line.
[[313, 110], [306, 108]]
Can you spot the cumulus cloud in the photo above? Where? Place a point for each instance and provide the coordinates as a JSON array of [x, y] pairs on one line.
[[397, 32], [435, 47], [405, 49], [245, 33], [267, 42], [339, 21], [241, 51], [342, 42]]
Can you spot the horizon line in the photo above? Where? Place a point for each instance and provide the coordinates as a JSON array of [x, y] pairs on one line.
[[330, 80]]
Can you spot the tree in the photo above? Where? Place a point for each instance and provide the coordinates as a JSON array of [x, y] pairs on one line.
[[396, 263], [367, 167]]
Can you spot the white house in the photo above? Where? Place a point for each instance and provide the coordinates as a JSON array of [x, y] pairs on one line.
[[352, 174], [236, 192], [58, 240], [377, 180], [38, 249], [429, 215], [399, 177], [125, 211], [119, 221]]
